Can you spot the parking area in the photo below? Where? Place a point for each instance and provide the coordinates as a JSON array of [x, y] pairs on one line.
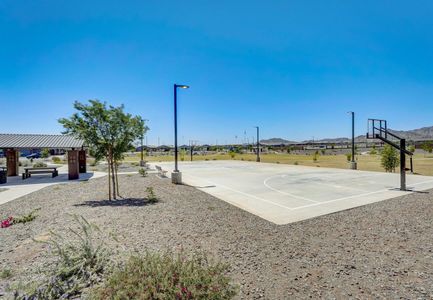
[[286, 193]]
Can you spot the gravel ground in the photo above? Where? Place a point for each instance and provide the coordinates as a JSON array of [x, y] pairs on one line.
[[383, 250]]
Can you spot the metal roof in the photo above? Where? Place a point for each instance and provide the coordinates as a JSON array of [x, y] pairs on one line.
[[32, 141]]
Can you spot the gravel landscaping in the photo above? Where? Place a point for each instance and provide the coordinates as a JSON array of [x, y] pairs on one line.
[[383, 250]]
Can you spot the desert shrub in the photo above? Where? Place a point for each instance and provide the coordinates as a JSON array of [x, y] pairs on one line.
[[135, 164], [167, 276], [349, 157], [232, 154], [323, 151], [39, 164], [6, 273], [142, 172], [389, 158], [151, 196], [26, 218], [296, 163], [56, 160], [80, 264], [315, 156]]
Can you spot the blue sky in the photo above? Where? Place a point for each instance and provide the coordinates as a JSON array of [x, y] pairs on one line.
[[292, 67]]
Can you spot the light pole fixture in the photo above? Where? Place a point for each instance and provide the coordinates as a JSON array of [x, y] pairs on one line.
[[258, 144], [353, 164], [176, 176]]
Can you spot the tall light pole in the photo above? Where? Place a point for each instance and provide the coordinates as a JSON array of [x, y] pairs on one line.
[[353, 164], [176, 176], [258, 144]]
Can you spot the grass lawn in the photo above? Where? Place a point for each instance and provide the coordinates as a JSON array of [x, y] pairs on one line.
[[423, 164]]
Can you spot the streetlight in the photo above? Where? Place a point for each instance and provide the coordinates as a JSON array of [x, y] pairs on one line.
[[353, 164], [258, 145], [176, 176]]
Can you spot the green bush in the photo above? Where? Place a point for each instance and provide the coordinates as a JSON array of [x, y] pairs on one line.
[[39, 164], [142, 172], [389, 159], [56, 160], [151, 196], [167, 276], [349, 157]]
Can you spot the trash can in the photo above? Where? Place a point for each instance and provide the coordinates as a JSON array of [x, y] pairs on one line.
[[3, 176]]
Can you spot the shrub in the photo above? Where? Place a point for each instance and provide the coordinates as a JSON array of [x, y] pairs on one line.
[[349, 157], [315, 156], [389, 159], [6, 273], [296, 163], [80, 264], [135, 164], [39, 164], [151, 195], [143, 172], [232, 154], [56, 160], [167, 276]]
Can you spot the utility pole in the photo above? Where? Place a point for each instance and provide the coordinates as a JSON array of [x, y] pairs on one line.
[[258, 145], [353, 164]]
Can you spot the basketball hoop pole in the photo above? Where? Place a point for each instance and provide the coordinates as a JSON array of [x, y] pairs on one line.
[[353, 165]]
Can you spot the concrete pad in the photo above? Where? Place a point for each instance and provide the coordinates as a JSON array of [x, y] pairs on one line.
[[286, 193], [16, 187]]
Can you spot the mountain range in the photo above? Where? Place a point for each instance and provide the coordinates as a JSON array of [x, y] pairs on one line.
[[420, 134]]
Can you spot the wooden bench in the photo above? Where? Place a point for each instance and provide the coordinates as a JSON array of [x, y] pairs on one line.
[[161, 172], [41, 170]]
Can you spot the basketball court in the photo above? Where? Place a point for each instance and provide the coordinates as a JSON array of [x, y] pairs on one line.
[[284, 194]]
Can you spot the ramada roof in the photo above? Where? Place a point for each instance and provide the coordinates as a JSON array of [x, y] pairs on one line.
[[32, 141]]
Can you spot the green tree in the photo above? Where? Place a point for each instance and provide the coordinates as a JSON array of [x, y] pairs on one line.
[[108, 131], [427, 147], [411, 148], [389, 158], [45, 153]]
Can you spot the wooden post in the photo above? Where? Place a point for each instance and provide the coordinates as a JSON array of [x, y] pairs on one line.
[[82, 161], [12, 157], [73, 170]]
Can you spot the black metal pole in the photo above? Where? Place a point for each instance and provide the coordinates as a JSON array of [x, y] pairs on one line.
[[258, 145], [142, 156], [353, 136], [175, 128], [402, 165]]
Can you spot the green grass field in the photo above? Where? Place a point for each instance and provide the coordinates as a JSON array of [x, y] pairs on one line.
[[423, 165]]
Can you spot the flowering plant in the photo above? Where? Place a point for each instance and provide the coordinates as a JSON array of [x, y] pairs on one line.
[[7, 222]]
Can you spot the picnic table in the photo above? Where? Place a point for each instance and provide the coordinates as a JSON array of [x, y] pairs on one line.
[[40, 170]]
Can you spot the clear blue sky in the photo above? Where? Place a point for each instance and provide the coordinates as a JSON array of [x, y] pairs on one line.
[[293, 67]]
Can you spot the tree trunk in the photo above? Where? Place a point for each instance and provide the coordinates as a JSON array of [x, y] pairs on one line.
[[109, 180], [113, 179], [117, 179]]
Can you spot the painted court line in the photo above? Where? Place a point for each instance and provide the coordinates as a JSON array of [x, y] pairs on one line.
[[265, 182], [356, 196], [242, 193]]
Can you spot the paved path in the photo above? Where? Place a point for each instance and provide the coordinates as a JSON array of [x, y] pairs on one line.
[[286, 193], [16, 187]]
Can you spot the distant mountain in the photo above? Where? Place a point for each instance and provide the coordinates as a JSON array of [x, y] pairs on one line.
[[421, 134], [276, 141]]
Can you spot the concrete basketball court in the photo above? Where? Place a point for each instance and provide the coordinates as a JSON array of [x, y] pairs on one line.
[[284, 194]]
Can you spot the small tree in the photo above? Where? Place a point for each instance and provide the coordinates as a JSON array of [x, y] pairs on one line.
[[373, 150], [389, 159], [108, 131], [411, 148], [427, 147]]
